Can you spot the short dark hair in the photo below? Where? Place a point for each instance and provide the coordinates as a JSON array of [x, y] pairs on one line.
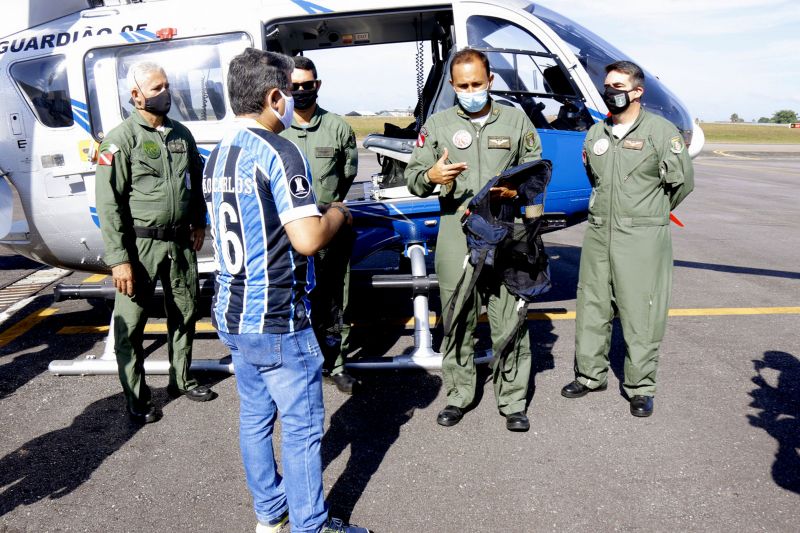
[[633, 70], [304, 63], [252, 74], [468, 55]]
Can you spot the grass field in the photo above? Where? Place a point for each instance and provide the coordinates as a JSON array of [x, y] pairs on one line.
[[750, 134], [715, 133], [363, 126]]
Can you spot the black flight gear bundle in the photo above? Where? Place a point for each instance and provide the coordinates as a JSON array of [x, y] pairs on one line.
[[512, 249]]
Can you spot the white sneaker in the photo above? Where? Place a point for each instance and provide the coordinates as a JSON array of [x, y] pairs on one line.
[[275, 526]]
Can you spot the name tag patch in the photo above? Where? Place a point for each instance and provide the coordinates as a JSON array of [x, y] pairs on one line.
[[633, 144], [178, 146], [323, 151], [503, 143]]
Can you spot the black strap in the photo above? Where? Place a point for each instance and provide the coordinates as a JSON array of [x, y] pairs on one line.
[[449, 308], [162, 233]]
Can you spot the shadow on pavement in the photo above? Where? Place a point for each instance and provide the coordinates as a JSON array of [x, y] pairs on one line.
[[369, 423], [739, 270], [780, 414], [56, 463]]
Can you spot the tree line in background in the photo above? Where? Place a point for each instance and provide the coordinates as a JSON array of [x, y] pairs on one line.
[[784, 116]]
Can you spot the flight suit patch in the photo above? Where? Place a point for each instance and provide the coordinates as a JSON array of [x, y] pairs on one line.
[[676, 145], [151, 149], [530, 139], [503, 143], [600, 147], [323, 151], [633, 144], [178, 146], [462, 139]]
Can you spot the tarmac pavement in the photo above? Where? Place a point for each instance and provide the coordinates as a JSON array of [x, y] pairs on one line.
[[719, 454]]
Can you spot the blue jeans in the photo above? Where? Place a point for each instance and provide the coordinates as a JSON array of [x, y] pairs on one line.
[[280, 375]]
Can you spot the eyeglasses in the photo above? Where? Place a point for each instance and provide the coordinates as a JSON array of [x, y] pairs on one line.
[[306, 85]]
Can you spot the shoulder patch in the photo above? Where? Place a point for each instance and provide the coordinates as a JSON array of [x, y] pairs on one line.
[[299, 186], [676, 144], [530, 139], [423, 133]]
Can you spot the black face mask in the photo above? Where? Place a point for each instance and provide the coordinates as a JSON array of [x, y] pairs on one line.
[[304, 99], [617, 100], [159, 104]]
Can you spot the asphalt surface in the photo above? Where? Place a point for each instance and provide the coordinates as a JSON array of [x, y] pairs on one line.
[[719, 454]]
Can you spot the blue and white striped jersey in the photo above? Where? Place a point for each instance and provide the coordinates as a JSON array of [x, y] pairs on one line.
[[254, 182]]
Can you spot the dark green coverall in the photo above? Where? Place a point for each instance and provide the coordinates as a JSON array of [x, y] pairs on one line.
[[626, 262], [506, 139], [149, 179], [330, 147]]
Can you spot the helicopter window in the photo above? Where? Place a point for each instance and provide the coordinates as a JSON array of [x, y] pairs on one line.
[[44, 83], [527, 76], [194, 68], [594, 53]]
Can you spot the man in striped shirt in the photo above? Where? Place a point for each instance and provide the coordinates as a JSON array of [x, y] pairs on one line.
[[264, 225]]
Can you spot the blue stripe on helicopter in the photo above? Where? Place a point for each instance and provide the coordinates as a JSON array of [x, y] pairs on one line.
[[147, 34], [79, 105], [93, 214], [80, 120], [597, 114], [311, 7]]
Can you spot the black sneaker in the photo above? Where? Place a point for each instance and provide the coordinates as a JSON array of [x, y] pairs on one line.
[[335, 525]]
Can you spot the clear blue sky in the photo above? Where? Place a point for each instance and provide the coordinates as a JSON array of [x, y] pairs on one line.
[[719, 56]]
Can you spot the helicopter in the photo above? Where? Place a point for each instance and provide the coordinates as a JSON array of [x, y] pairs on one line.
[[63, 86]]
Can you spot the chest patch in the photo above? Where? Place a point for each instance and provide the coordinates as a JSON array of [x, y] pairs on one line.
[[462, 139], [323, 151], [151, 149], [633, 144], [600, 147], [502, 143], [299, 186], [178, 146]]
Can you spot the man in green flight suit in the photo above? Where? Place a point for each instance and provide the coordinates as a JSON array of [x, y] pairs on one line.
[[330, 147], [153, 218], [484, 139], [640, 170]]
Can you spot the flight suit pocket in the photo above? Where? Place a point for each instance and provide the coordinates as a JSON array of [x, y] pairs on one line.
[[146, 175], [668, 170], [649, 221]]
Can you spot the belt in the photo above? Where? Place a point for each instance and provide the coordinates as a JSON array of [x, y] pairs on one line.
[[163, 233]]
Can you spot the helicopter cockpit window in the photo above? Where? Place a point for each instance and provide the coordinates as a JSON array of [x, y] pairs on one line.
[[527, 75], [44, 83], [194, 68], [595, 53]]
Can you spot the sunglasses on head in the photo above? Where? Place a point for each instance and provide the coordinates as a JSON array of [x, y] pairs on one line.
[[306, 85]]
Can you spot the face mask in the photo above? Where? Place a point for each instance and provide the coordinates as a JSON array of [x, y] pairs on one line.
[[473, 102], [617, 100], [304, 99], [288, 112]]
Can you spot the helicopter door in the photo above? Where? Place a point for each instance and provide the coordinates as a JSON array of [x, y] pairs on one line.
[[535, 72]]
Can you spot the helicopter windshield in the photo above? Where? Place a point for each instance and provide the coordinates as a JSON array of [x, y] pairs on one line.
[[595, 53]]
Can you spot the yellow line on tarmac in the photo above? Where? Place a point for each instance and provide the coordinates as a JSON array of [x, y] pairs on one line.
[[202, 327], [95, 278], [726, 154], [25, 324], [206, 327]]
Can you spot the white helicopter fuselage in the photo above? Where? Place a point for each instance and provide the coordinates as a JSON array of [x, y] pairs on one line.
[[62, 87]]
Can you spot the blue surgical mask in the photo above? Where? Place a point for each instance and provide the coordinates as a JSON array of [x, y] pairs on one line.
[[473, 102]]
